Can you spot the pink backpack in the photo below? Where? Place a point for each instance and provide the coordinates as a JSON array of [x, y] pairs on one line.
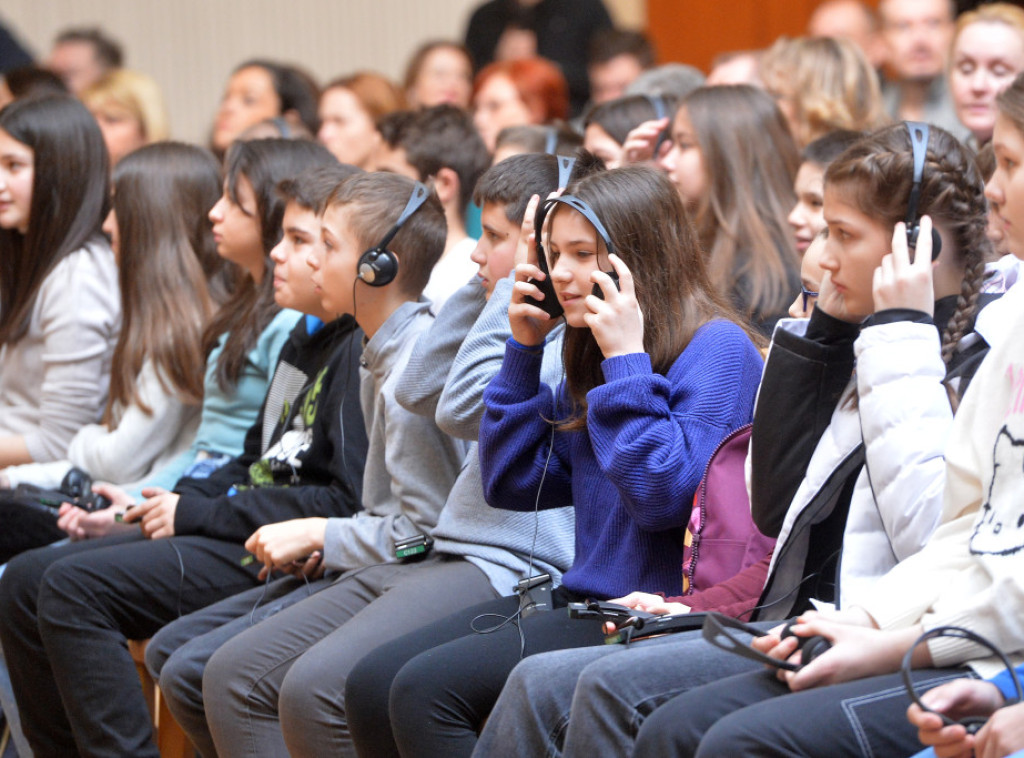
[[721, 538]]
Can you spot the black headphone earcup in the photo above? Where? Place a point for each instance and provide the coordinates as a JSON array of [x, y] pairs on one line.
[[936, 244], [812, 648], [377, 267], [914, 232]]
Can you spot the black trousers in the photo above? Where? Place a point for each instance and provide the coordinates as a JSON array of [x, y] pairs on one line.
[[756, 715], [25, 524], [66, 614], [438, 684]]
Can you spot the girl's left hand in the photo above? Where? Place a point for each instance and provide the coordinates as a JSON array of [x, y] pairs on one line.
[[857, 652], [904, 283], [617, 321]]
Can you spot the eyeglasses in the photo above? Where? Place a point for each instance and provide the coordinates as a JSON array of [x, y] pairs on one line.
[[807, 295]]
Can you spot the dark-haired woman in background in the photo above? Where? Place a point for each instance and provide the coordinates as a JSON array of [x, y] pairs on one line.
[[260, 90]]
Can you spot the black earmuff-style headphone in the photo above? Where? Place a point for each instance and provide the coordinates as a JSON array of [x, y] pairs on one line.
[[919, 144], [378, 266], [550, 304], [971, 723]]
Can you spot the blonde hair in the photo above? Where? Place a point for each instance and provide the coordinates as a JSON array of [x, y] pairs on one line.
[[830, 81], [995, 13], [136, 93]]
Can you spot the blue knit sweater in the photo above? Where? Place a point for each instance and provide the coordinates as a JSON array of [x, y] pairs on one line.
[[633, 472]]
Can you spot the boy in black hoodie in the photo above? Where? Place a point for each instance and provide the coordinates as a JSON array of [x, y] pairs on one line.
[[66, 612]]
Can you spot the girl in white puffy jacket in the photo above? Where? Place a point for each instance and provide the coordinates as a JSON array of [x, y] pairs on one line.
[[853, 413], [850, 701], [856, 403]]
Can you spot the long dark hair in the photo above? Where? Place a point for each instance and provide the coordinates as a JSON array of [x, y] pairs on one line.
[[70, 199], [161, 197], [651, 232], [251, 307], [751, 162]]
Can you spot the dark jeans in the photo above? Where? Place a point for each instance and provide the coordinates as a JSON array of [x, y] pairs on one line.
[[65, 615], [756, 715], [438, 684], [25, 524]]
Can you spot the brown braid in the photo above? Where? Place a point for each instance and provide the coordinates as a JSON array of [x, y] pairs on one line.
[[877, 173]]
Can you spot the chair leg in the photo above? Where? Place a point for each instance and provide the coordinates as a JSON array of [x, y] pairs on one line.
[[170, 737]]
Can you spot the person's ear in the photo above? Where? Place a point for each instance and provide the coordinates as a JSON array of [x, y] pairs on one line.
[[446, 184]]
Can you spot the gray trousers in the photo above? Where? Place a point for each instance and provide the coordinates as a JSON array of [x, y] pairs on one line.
[[608, 690], [277, 686]]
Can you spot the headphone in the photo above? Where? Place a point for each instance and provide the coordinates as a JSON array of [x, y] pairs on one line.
[[919, 144], [971, 723], [717, 630], [550, 303], [657, 102], [378, 266], [551, 142]]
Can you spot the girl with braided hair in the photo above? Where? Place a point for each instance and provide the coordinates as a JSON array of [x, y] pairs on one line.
[[846, 461], [969, 574]]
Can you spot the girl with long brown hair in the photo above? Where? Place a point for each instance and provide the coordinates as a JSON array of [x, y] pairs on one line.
[[658, 372], [839, 529], [161, 193], [733, 161], [59, 309]]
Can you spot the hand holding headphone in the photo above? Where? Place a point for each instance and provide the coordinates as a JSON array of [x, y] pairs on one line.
[[971, 723]]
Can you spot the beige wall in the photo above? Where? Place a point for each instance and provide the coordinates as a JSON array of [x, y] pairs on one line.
[[190, 46]]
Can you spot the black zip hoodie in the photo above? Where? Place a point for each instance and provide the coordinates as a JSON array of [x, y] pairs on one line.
[[313, 465]]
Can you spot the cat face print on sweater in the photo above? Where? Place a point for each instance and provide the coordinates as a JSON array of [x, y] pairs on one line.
[[1000, 526]]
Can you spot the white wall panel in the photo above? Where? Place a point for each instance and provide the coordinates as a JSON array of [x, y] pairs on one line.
[[190, 46]]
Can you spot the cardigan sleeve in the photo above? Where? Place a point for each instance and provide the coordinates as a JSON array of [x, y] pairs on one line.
[[127, 452], [79, 314]]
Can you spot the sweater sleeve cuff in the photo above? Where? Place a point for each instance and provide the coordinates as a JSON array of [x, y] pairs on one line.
[[187, 515], [525, 348], [892, 315], [626, 366], [1005, 683], [521, 366], [828, 330]]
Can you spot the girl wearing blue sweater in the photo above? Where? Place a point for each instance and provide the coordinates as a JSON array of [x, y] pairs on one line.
[[658, 372]]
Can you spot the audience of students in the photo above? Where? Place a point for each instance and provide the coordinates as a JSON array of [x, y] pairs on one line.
[[358, 467]]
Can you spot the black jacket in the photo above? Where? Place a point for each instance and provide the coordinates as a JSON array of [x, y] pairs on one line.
[[314, 463]]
